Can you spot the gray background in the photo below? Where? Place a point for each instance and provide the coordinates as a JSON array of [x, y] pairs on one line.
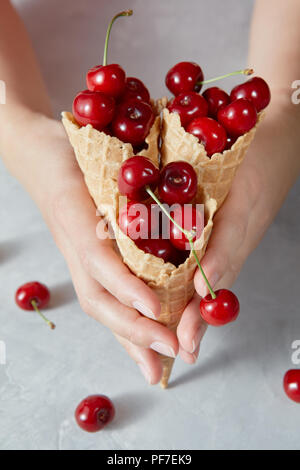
[[232, 398]]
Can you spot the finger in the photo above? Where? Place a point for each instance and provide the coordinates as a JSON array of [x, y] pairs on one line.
[[227, 238], [122, 320], [187, 357], [192, 327], [76, 214], [147, 360]]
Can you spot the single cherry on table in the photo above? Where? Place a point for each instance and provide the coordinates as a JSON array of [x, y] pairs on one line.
[[210, 133], [291, 384], [189, 106], [94, 413], [33, 296]]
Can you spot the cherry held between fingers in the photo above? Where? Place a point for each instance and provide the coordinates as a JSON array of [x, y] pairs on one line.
[[220, 310], [94, 412]]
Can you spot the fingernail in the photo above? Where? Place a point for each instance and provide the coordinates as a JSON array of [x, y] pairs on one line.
[[145, 372], [196, 340], [163, 349], [196, 353], [202, 289], [143, 309]]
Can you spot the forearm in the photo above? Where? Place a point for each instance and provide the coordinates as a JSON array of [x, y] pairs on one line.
[[26, 94]]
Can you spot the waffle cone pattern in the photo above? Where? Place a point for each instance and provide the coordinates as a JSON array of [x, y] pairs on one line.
[[215, 174]]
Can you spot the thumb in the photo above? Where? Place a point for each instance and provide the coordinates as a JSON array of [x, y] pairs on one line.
[[222, 254]]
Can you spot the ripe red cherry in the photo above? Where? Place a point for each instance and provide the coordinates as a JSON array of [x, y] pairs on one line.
[[189, 106], [33, 296], [162, 248], [93, 108], [135, 174], [216, 99], [238, 117], [177, 183], [32, 291], [255, 90], [210, 133], [94, 412], [137, 220], [135, 89], [189, 219], [184, 77], [221, 310], [230, 141], [133, 121], [291, 384], [108, 79]]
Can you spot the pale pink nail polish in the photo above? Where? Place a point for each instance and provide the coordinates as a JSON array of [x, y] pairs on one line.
[[163, 349]]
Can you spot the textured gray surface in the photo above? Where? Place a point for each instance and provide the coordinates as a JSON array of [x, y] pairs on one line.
[[233, 398]]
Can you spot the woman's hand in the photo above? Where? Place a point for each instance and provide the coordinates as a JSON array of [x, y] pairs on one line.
[[270, 168], [106, 289]]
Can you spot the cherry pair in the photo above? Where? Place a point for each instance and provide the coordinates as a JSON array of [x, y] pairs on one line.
[[113, 100], [137, 180]]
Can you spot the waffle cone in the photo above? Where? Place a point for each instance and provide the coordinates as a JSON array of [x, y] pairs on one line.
[[215, 174], [100, 157]]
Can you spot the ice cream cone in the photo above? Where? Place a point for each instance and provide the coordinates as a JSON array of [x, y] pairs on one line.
[[215, 174], [100, 157]]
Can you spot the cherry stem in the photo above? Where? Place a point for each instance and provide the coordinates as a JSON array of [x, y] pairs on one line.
[[122, 13], [189, 236], [237, 72], [37, 310]]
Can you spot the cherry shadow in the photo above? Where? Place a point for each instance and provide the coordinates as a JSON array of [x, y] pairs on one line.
[[131, 408], [62, 294]]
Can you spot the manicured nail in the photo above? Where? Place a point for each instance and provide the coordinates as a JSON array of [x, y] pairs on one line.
[[196, 353], [196, 340], [163, 349], [145, 372], [143, 309]]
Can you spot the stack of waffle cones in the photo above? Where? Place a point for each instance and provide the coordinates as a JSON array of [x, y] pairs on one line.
[[100, 157]]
